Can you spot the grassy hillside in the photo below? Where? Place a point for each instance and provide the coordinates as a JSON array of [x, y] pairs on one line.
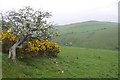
[[71, 62], [92, 54], [90, 34]]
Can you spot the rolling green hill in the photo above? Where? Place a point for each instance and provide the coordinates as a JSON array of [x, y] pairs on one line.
[[90, 34], [77, 59], [72, 62]]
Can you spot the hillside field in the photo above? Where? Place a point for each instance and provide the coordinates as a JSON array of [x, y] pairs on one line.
[[72, 62], [88, 50], [90, 34]]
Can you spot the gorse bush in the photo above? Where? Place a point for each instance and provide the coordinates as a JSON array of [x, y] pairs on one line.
[[8, 40], [34, 47], [40, 47]]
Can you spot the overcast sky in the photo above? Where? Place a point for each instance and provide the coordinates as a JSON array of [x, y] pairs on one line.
[[69, 11]]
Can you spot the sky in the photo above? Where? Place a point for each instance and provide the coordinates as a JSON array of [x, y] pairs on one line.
[[69, 11]]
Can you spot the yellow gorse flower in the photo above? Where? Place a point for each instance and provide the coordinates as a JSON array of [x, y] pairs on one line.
[[8, 35], [43, 45], [35, 46]]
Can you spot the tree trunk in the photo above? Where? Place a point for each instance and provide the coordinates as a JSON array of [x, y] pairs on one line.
[[12, 50]]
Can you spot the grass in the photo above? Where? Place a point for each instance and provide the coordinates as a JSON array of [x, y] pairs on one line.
[[93, 54], [72, 62], [90, 34]]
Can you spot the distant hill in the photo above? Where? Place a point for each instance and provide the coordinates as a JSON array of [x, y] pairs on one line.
[[89, 34]]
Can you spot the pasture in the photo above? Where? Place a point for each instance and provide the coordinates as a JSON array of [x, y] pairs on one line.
[[72, 62]]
